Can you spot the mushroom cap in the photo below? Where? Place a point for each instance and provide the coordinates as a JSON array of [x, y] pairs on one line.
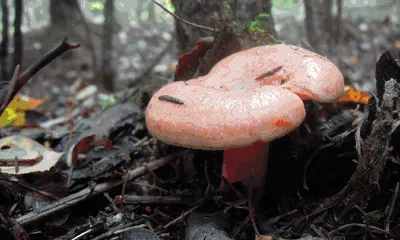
[[232, 106], [305, 73], [212, 118]]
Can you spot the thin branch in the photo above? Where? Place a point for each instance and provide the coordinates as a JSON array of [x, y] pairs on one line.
[[13, 81], [36, 67], [186, 21], [88, 192], [361, 225]]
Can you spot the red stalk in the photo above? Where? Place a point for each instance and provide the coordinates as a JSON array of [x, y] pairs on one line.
[[239, 162]]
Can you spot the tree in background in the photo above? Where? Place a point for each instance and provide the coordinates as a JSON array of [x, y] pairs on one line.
[[319, 23], [107, 69], [17, 55], [63, 12], [4, 42], [17, 33], [200, 12]]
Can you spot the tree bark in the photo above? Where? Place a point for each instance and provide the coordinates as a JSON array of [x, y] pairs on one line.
[[319, 23], [201, 11], [62, 12], [309, 22], [17, 34], [4, 42], [198, 12], [108, 72], [339, 23]]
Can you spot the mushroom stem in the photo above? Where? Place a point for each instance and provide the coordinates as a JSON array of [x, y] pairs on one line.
[[239, 162]]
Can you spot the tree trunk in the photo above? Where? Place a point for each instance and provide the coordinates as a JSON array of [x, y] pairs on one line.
[[319, 23], [108, 73], [201, 11], [195, 12], [62, 12], [4, 42], [309, 22], [17, 34], [339, 23]]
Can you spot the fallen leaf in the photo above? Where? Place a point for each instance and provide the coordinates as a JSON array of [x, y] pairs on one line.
[[263, 237], [84, 145], [351, 94], [188, 62], [15, 114], [44, 162], [23, 156], [171, 67]]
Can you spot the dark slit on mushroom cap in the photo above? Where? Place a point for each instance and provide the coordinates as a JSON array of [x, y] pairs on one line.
[[170, 99], [270, 72]]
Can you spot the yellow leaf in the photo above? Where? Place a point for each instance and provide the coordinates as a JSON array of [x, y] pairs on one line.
[[14, 114]]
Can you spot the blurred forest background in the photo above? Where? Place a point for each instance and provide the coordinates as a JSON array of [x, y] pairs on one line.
[[135, 42]]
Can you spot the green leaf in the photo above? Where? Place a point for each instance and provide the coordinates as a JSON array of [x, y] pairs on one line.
[[262, 15], [254, 26]]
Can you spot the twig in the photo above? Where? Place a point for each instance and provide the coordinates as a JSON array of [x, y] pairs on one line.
[[10, 88], [112, 231], [186, 21], [36, 67], [132, 199], [181, 217], [107, 196], [70, 128], [156, 178], [88, 192], [360, 225], [277, 218], [123, 192], [130, 228], [391, 207], [15, 180]]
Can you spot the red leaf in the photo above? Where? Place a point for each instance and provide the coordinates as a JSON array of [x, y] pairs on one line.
[[188, 62]]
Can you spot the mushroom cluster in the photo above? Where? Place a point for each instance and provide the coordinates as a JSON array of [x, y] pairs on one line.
[[247, 100]]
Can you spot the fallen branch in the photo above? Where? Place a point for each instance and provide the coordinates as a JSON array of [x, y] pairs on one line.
[[88, 192]]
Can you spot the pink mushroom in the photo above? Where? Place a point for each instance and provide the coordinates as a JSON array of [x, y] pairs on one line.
[[240, 106]]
